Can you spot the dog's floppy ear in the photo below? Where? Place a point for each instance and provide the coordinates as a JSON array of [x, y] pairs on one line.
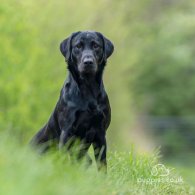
[[108, 46], [66, 46]]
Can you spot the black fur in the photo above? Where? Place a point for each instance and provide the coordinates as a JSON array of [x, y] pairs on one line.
[[82, 111]]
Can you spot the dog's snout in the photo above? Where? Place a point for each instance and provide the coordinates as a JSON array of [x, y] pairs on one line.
[[88, 60]]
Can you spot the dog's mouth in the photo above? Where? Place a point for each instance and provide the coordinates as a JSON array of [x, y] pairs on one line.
[[87, 69]]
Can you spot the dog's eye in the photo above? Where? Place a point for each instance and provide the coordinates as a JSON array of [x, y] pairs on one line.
[[78, 46], [95, 45]]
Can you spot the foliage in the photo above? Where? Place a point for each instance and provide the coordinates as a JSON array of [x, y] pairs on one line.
[[24, 172], [162, 75]]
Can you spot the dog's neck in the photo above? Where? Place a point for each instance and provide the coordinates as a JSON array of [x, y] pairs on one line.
[[88, 85], [86, 79]]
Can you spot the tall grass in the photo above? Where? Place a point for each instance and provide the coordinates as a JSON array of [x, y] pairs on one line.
[[22, 171]]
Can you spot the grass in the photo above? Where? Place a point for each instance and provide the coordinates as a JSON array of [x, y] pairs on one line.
[[22, 171], [184, 163]]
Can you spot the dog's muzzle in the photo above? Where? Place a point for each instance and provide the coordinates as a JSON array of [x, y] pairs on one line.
[[88, 64]]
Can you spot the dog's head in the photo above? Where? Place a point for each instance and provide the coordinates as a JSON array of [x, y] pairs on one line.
[[86, 51]]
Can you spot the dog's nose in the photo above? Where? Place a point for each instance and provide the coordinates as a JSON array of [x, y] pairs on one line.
[[88, 60]]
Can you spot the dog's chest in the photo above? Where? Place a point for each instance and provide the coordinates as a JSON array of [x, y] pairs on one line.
[[89, 117]]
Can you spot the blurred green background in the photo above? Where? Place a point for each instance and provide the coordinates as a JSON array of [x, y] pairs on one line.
[[150, 78]]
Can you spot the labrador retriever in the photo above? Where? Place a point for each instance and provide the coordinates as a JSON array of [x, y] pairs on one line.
[[83, 110]]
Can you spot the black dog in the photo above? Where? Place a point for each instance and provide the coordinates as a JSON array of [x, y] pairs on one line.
[[82, 111]]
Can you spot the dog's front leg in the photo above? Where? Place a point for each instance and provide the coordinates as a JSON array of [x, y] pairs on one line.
[[66, 120], [64, 138], [100, 148]]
